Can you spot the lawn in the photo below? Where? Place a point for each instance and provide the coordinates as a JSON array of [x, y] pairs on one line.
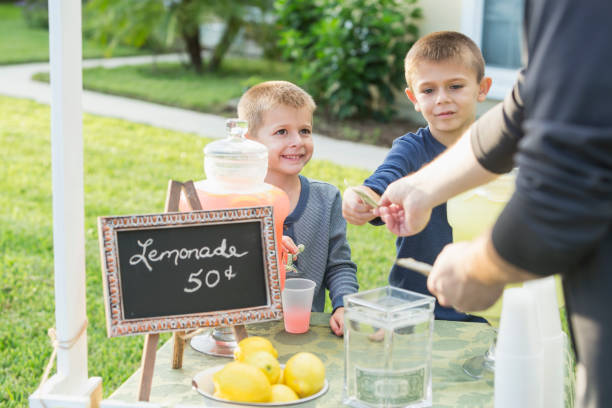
[[172, 84], [20, 43], [126, 169]]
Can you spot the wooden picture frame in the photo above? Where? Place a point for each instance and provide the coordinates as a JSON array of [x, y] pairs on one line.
[[118, 324]]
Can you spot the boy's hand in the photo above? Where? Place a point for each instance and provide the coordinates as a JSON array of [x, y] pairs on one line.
[[354, 209], [336, 322], [289, 246]]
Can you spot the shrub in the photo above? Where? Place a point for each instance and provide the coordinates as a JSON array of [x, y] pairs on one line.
[[349, 55], [35, 13]]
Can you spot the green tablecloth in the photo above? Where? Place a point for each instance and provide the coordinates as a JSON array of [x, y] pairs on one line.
[[453, 343]]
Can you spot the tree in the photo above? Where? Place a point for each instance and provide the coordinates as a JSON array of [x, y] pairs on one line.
[[158, 24]]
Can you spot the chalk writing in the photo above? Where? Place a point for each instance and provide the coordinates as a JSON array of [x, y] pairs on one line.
[[229, 274], [204, 252], [211, 279]]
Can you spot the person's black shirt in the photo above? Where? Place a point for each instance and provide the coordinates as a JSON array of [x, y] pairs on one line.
[[556, 126]]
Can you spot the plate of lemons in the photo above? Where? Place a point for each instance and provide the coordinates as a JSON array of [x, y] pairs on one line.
[[256, 378]]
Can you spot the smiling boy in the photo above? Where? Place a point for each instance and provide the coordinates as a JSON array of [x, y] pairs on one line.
[[445, 77], [279, 114]]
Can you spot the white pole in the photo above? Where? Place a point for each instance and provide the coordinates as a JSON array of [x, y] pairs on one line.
[[71, 380], [67, 167]]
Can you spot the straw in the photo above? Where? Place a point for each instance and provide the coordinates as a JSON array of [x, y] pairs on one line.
[[417, 266]]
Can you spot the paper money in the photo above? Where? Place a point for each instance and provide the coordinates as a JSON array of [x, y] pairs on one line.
[[396, 387], [365, 197]]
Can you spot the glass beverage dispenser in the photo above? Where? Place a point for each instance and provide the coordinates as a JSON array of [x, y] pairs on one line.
[[235, 169]]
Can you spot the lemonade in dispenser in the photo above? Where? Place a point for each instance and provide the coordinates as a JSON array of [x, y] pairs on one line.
[[235, 172]]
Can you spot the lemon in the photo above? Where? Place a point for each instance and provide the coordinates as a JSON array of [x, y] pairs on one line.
[[252, 344], [241, 382], [266, 363], [282, 393], [304, 373]]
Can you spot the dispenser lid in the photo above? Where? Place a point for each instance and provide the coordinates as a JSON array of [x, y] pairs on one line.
[[235, 146], [390, 305]]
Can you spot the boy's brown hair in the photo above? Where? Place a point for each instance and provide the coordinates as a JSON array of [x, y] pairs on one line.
[[266, 96], [442, 46]]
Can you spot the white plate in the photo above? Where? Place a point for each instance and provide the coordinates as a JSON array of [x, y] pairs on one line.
[[202, 382]]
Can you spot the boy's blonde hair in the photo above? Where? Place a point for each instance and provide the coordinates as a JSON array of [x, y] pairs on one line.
[[442, 46], [266, 96]]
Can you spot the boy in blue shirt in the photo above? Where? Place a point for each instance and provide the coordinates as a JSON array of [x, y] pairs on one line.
[[279, 114], [445, 77]]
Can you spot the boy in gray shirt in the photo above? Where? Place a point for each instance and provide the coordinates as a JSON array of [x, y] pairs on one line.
[[279, 114]]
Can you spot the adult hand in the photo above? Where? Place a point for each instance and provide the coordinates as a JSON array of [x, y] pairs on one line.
[[457, 281], [336, 322], [404, 208], [354, 210]]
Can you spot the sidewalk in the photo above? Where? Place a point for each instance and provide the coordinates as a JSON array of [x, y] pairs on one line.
[[15, 80]]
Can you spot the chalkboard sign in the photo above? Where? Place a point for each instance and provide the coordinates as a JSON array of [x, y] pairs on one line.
[[177, 271]]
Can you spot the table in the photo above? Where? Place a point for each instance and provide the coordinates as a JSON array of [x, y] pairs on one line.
[[453, 343]]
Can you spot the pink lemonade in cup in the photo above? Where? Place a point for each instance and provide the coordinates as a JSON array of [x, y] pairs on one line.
[[297, 301], [297, 320]]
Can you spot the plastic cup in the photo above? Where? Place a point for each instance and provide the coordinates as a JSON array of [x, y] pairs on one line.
[[553, 341], [297, 302], [545, 293], [519, 328], [518, 355]]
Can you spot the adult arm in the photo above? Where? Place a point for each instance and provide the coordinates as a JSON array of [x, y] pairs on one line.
[[406, 205], [562, 206]]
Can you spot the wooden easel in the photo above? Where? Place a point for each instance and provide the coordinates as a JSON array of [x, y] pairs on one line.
[[149, 350]]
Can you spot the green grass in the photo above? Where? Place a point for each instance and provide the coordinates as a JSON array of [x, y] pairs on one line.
[[173, 84], [126, 169], [20, 43]]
